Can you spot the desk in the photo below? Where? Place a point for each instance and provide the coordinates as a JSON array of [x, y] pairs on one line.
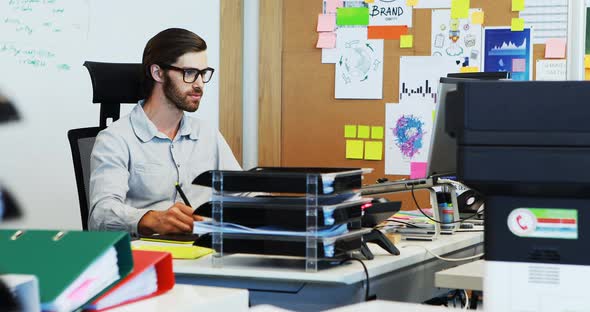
[[191, 298], [466, 276], [283, 282]]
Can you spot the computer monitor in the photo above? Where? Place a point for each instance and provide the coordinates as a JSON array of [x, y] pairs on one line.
[[442, 155]]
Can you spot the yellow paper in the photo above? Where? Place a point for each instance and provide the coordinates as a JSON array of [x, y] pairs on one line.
[[369, 1], [354, 149], [587, 75], [377, 132], [364, 132], [517, 5], [460, 8], [373, 150], [586, 61], [178, 251], [477, 18], [411, 2], [469, 69], [350, 131], [406, 41], [517, 24]]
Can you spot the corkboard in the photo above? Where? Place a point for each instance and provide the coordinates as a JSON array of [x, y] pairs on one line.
[[313, 121]]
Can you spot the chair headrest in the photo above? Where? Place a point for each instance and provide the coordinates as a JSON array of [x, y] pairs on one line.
[[115, 82]]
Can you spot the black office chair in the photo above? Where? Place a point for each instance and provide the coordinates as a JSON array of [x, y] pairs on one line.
[[112, 85]]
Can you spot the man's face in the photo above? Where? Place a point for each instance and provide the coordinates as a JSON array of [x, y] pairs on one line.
[[186, 96]]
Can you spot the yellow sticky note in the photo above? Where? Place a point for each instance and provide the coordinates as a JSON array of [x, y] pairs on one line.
[[587, 75], [477, 18], [406, 41], [354, 149], [460, 8], [469, 69], [373, 150], [350, 131], [364, 132], [377, 132], [517, 5], [517, 24], [369, 1], [433, 114], [586, 61], [411, 2]]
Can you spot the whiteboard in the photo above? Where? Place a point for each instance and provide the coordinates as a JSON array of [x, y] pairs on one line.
[[42, 48]]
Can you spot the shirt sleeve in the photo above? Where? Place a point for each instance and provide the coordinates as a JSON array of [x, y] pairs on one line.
[[109, 183], [226, 158]]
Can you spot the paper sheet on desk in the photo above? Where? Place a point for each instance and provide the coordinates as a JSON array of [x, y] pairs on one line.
[[178, 251]]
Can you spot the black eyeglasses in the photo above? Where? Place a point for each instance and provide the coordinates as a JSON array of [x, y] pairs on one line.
[[191, 74]]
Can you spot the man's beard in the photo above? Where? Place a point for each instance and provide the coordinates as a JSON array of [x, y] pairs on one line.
[[180, 100]]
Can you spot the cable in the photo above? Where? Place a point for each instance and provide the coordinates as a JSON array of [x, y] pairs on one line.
[[434, 220], [466, 300], [366, 274], [447, 259]]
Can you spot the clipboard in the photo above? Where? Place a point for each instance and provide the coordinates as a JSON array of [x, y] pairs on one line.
[[57, 258], [286, 179]]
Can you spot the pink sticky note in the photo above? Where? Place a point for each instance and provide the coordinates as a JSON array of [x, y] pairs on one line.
[[555, 48], [417, 170], [326, 22], [326, 40], [331, 6], [518, 65]]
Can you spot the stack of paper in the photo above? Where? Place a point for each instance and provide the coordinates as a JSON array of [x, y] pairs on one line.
[[99, 275], [209, 227], [152, 275]]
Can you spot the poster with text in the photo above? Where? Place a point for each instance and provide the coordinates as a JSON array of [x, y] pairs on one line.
[[407, 136], [456, 37], [390, 12], [359, 69], [508, 51], [419, 76]]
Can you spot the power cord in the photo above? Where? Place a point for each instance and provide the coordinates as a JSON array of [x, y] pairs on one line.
[[434, 220], [466, 300], [447, 259], [366, 274]]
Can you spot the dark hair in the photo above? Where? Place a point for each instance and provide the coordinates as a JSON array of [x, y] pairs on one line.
[[165, 48]]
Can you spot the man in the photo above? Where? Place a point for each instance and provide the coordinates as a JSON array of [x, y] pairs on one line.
[[138, 159]]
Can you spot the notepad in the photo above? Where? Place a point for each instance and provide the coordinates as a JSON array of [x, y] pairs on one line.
[[178, 251]]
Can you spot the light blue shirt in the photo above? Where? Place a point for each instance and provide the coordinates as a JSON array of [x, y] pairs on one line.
[[134, 168]]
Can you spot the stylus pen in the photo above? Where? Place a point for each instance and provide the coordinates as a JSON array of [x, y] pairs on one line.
[[186, 202]]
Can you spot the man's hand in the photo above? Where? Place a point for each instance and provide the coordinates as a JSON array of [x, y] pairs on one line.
[[177, 219]]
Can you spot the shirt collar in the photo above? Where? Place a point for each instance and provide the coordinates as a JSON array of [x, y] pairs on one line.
[[145, 129]]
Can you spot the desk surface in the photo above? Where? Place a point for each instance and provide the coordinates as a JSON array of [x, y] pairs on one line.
[[192, 298], [466, 276], [292, 269]]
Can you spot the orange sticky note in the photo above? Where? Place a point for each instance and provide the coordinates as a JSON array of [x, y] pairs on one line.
[[460, 8], [326, 40], [517, 24], [517, 5], [386, 32], [373, 150], [555, 48], [586, 61], [406, 41], [477, 18], [354, 149], [326, 22], [411, 2], [469, 69]]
